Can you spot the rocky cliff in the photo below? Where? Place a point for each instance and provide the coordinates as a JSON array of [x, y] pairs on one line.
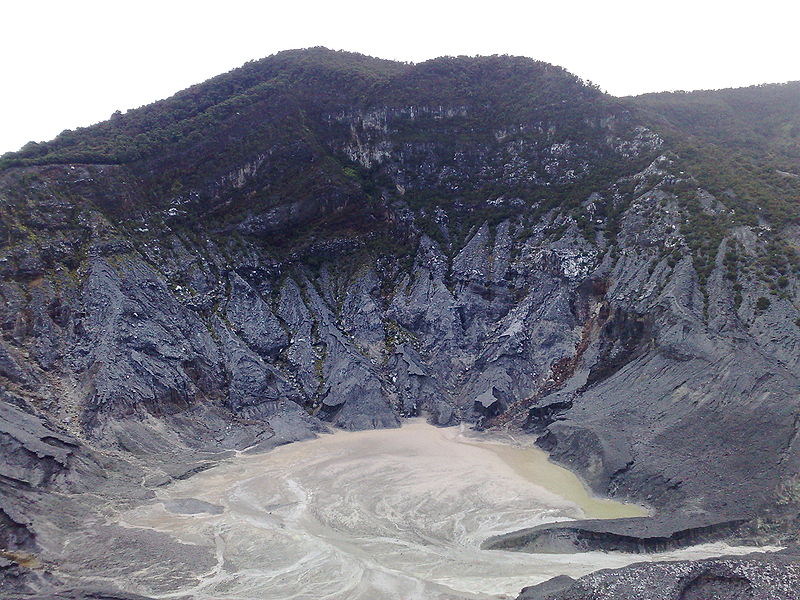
[[323, 237]]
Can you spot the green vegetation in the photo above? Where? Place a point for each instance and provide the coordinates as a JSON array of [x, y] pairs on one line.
[[703, 233], [395, 336], [288, 114], [293, 85], [741, 144], [286, 117], [275, 85], [789, 491]]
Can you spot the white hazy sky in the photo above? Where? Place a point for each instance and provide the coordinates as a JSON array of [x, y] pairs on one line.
[[70, 63]]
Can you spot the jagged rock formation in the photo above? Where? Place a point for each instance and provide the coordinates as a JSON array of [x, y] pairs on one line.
[[756, 576], [325, 237]]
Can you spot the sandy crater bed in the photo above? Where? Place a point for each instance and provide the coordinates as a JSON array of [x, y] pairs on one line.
[[388, 514]]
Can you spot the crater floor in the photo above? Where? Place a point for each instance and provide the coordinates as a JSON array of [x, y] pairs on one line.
[[388, 514]]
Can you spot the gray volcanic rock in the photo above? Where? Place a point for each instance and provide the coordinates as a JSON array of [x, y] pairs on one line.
[[417, 389], [32, 456], [143, 348], [252, 320], [633, 535], [34, 453], [352, 397], [361, 315], [546, 589], [755, 576], [256, 387]]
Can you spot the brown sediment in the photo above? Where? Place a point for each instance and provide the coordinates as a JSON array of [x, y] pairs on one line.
[[22, 558]]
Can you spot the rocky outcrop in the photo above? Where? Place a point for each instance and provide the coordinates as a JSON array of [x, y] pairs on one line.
[[755, 576], [637, 535]]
